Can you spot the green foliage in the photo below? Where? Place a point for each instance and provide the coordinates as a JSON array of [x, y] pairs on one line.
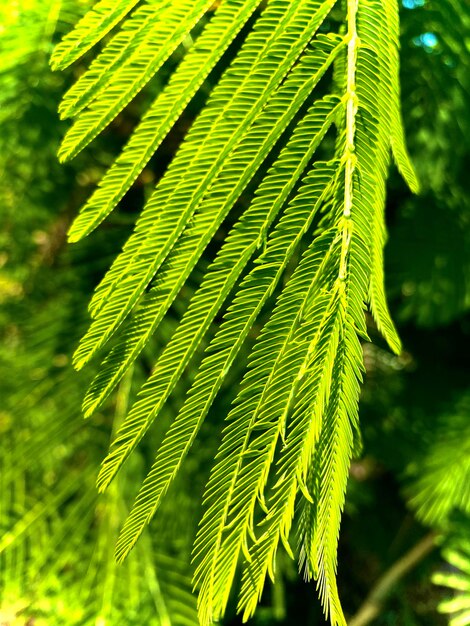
[[291, 432], [430, 268], [57, 540], [441, 477], [240, 294], [456, 575]]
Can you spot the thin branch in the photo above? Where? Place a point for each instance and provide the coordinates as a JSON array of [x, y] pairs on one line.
[[372, 605]]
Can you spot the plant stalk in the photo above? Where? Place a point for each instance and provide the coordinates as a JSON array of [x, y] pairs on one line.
[[373, 604]]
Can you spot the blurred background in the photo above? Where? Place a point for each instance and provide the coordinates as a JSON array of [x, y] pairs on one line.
[[404, 557]]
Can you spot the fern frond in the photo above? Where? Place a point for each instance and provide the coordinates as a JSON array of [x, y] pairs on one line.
[[228, 20], [90, 30], [156, 40], [122, 46], [376, 37], [248, 302], [455, 577], [320, 536], [242, 242], [291, 431], [398, 143], [306, 424], [441, 478], [256, 422], [240, 167]]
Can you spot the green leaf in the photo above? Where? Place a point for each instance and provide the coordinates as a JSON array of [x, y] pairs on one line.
[[305, 232], [90, 30]]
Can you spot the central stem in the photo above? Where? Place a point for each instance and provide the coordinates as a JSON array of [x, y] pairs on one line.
[[351, 111]]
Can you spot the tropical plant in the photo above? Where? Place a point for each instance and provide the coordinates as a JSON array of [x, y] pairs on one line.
[[254, 308], [301, 75]]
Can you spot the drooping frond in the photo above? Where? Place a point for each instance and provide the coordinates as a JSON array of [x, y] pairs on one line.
[[202, 161], [440, 480], [455, 576], [90, 30], [116, 77], [253, 293], [391, 57], [169, 104], [314, 170], [212, 211], [91, 84]]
